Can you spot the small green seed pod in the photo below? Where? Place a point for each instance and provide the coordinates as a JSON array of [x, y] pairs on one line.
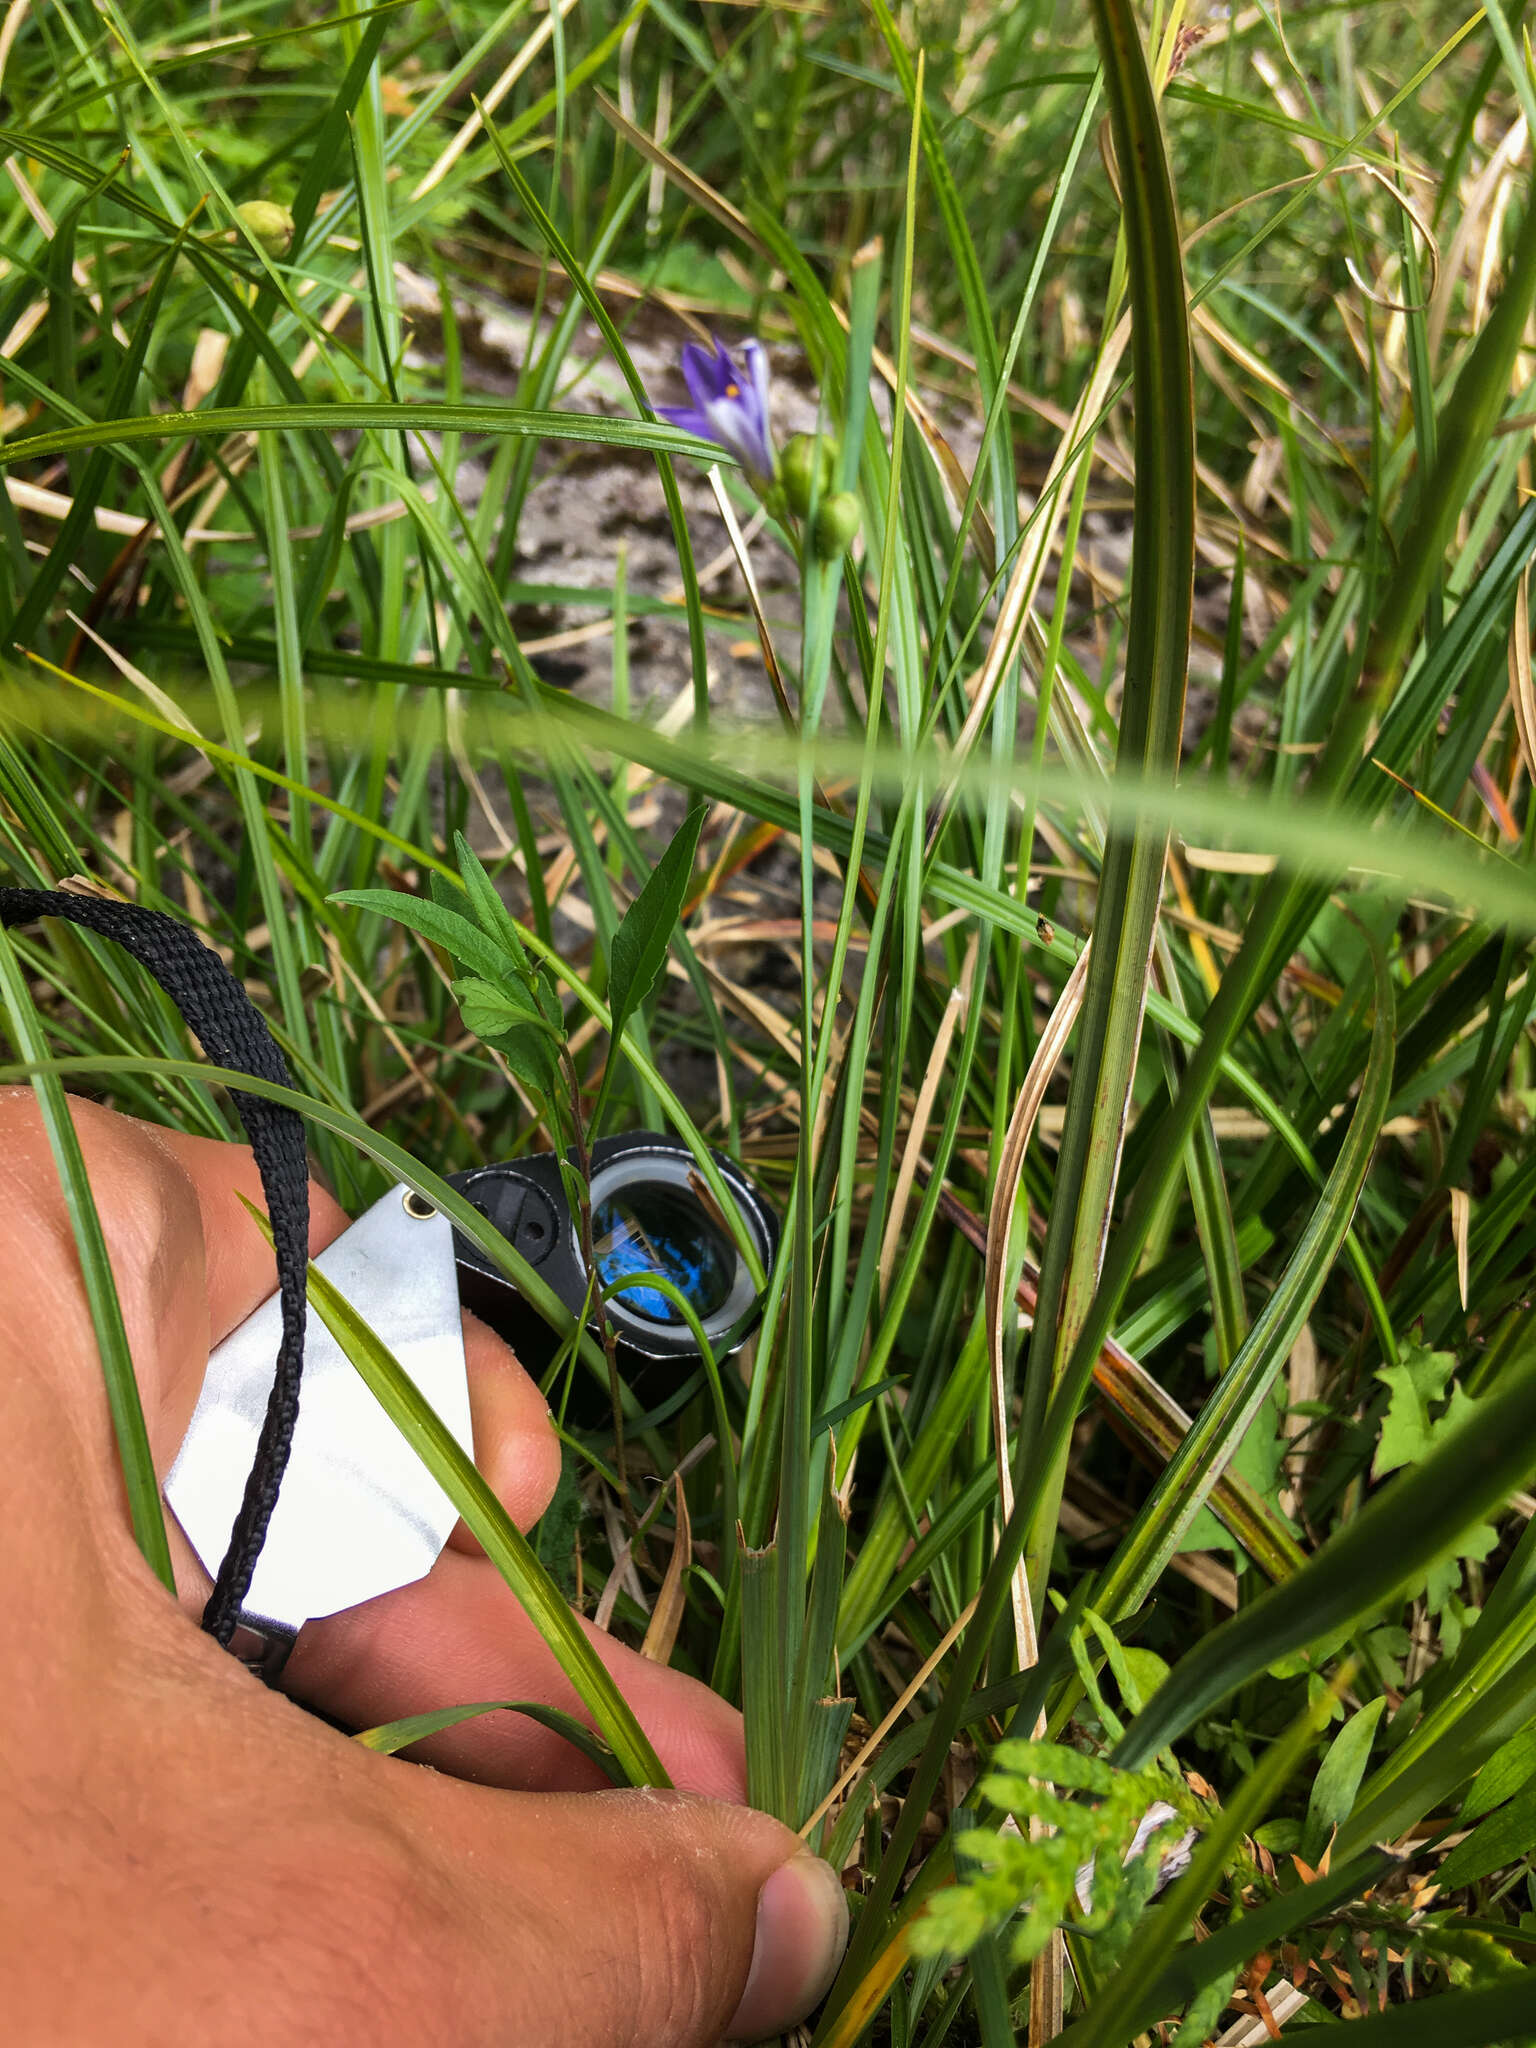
[[806, 470], [837, 525], [271, 224]]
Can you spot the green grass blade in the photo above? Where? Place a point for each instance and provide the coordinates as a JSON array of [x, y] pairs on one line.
[[390, 1737], [139, 1481], [349, 415], [1151, 728], [1186, 1481], [1404, 1528], [504, 1544]]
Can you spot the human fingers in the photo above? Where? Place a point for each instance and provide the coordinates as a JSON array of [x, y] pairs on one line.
[[664, 1920], [189, 1263], [516, 1448], [659, 1982], [461, 1635], [458, 1635], [367, 1899]]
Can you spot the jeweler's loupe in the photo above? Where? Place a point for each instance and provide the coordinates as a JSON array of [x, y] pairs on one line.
[[359, 1513], [654, 1216]]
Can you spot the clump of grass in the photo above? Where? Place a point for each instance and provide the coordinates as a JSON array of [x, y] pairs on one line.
[[1146, 1371]]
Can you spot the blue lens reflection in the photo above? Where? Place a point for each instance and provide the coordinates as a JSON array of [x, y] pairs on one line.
[[654, 1227]]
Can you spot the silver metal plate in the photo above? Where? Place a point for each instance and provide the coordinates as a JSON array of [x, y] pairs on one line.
[[358, 1513]]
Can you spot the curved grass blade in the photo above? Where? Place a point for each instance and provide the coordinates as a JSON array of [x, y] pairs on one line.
[[1189, 1476], [1401, 1531], [1151, 730], [139, 1481], [508, 1549], [348, 415], [1406, 858], [390, 1737]]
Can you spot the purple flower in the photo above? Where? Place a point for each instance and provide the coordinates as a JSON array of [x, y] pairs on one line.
[[730, 405]]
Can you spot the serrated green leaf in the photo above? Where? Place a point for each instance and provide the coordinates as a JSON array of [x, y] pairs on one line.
[[1414, 1384], [548, 996], [440, 888], [1402, 1530], [491, 914], [1123, 2007], [508, 1016], [455, 933], [1443, 1579], [492, 1007]]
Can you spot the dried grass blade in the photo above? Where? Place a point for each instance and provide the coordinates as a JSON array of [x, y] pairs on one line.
[[1461, 1225], [678, 173], [759, 618], [1522, 692], [872, 1742], [1005, 1193], [491, 101], [666, 1617], [953, 1016]]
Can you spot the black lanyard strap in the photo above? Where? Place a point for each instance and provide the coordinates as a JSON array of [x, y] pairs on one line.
[[233, 1034]]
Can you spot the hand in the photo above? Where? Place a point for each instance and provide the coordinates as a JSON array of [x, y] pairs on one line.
[[190, 1857]]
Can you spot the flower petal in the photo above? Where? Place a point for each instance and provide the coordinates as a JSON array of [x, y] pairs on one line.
[[758, 400], [725, 423], [733, 426], [756, 358], [730, 403], [705, 375], [689, 418]]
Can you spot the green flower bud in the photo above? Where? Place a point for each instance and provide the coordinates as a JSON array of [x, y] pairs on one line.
[[837, 524], [271, 224], [806, 470]]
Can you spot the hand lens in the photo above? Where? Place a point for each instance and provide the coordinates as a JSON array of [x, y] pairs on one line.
[[653, 1213], [359, 1513]]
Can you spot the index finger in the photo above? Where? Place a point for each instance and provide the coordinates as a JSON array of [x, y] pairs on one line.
[[516, 1448]]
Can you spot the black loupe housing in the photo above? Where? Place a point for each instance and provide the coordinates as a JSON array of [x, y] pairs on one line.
[[652, 1212]]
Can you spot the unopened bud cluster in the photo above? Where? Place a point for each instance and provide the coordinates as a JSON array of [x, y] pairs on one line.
[[807, 469], [269, 223]]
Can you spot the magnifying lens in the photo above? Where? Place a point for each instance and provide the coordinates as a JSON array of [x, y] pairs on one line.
[[653, 1214], [359, 1513]]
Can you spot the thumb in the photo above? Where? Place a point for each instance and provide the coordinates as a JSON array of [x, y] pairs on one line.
[[668, 1920]]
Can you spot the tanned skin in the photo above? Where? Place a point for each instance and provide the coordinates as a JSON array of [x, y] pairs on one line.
[[188, 1858]]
